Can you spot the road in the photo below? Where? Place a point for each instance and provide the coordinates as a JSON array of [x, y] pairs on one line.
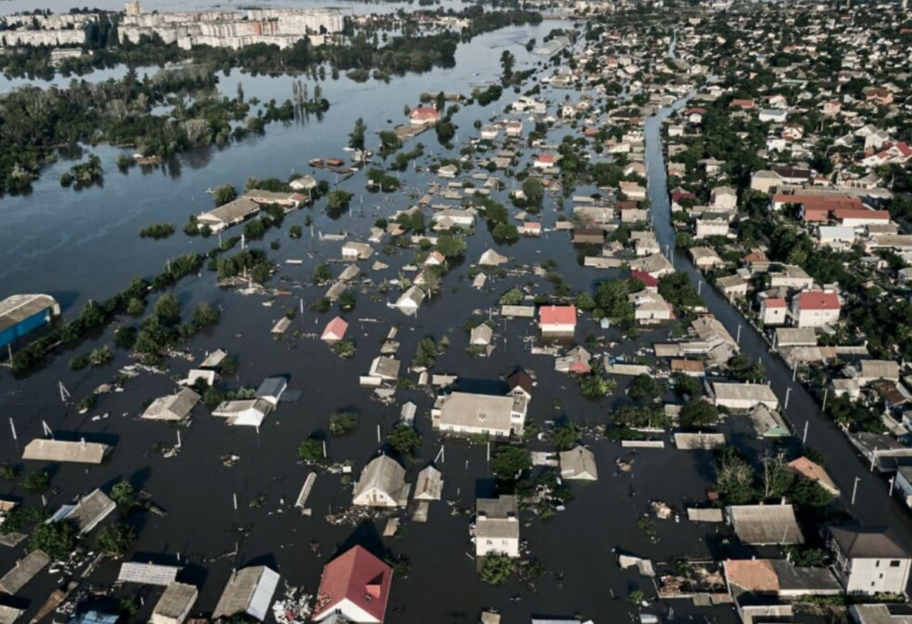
[[873, 505]]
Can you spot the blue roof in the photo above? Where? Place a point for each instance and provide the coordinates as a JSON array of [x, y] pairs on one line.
[[94, 617]]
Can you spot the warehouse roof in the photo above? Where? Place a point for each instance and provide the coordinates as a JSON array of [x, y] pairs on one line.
[[15, 309]]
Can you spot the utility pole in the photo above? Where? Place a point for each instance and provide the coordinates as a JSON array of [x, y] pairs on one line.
[[826, 392], [892, 481], [788, 393], [13, 427], [804, 438], [855, 489], [738, 337]]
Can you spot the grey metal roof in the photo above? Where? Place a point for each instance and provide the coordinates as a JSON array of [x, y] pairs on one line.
[[496, 517], [805, 579], [232, 212], [147, 573], [484, 411], [384, 474], [578, 463], [24, 571], [15, 309], [429, 485], [8, 615]]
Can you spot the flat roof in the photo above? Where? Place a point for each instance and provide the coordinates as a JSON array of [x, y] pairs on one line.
[[15, 309]]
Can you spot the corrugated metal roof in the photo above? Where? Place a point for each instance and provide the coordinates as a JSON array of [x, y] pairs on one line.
[[24, 571]]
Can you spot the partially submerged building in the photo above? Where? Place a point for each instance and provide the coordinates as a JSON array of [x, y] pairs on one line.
[[382, 484], [174, 407], [175, 603], [62, 451], [356, 586], [249, 591], [87, 513], [484, 414], [868, 561], [22, 314], [23, 572], [497, 526], [578, 463], [760, 525]]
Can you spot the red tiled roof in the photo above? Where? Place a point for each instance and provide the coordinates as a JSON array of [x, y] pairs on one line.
[[645, 277], [335, 328], [818, 301], [860, 213], [356, 576], [424, 112], [755, 575], [774, 303], [546, 158], [557, 315]]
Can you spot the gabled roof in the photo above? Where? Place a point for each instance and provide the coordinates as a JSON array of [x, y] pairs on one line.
[[358, 577], [336, 328], [520, 379]]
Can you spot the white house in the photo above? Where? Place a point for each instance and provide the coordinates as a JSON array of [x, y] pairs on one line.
[[743, 396], [480, 414], [815, 309], [773, 311], [497, 526], [867, 561]]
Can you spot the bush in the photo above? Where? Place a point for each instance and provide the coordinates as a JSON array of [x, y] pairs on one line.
[[404, 439], [508, 462], [341, 423], [497, 569], [311, 451], [56, 539], [37, 483], [116, 539], [698, 413], [79, 362], [157, 231], [124, 494]]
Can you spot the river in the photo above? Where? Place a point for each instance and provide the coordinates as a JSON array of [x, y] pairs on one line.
[[872, 505]]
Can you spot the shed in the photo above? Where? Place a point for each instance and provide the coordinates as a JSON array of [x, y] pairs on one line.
[[429, 485], [248, 591], [517, 311], [81, 452], [147, 573], [699, 441], [272, 389], [8, 615], [407, 415], [244, 412], [710, 514], [23, 572], [175, 603], [760, 525], [23, 314], [481, 335]]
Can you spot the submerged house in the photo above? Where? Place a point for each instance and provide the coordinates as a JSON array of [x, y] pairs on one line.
[[485, 414], [497, 526], [249, 591], [355, 588], [174, 407], [382, 484]]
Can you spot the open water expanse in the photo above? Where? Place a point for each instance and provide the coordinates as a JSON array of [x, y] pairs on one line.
[[82, 245]]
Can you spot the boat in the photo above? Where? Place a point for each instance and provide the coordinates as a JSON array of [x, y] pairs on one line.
[[316, 162], [334, 162]]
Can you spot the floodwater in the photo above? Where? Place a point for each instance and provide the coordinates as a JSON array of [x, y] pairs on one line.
[[80, 245]]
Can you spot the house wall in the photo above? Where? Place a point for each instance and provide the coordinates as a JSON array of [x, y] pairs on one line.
[[498, 433], [508, 546], [815, 318], [904, 487], [557, 330], [877, 576], [374, 498], [773, 316], [25, 326]]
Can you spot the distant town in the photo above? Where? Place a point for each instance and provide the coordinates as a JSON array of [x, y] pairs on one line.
[[565, 312]]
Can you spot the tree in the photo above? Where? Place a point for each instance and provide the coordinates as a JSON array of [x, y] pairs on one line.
[[509, 462], [686, 386], [37, 483], [734, 477], [534, 191], [135, 306], [338, 200], [403, 439], [777, 477], [341, 423], [167, 308], [204, 315], [356, 137], [507, 62], [497, 569], [426, 356], [124, 494], [224, 194], [311, 451], [445, 130], [116, 539], [698, 413], [514, 296], [743, 368], [450, 246], [807, 493], [644, 388], [565, 437], [593, 385], [505, 232], [56, 539], [321, 273]]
